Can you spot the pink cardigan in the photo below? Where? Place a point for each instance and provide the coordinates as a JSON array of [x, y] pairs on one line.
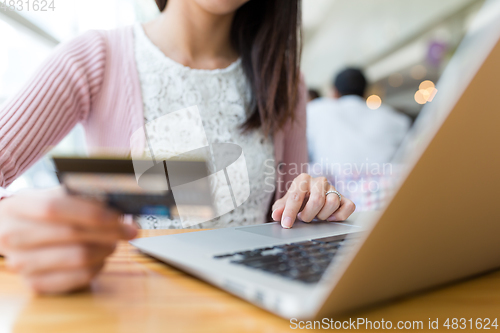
[[93, 80]]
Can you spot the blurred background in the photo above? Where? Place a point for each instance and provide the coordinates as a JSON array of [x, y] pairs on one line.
[[399, 44]]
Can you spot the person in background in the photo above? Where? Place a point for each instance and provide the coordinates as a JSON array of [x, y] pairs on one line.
[[313, 94], [344, 130]]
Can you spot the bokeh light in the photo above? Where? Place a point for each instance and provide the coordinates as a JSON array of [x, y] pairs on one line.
[[374, 102], [426, 85], [420, 98], [418, 72], [396, 80], [428, 90]]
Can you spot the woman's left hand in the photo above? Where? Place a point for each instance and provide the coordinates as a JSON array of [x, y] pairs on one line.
[[307, 199]]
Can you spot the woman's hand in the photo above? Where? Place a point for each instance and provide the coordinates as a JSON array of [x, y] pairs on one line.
[[307, 199], [57, 242]]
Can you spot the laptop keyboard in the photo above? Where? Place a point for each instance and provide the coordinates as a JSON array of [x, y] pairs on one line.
[[303, 261]]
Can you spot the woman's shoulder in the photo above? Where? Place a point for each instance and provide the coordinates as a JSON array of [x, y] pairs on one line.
[[99, 41], [119, 35]]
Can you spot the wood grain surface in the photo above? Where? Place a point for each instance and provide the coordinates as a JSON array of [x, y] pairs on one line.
[[136, 293]]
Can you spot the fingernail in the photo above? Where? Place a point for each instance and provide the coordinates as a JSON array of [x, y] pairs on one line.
[[331, 219], [299, 215], [272, 215], [287, 222]]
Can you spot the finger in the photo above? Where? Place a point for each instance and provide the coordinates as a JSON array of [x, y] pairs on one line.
[[316, 199], [278, 208], [22, 235], [296, 194], [57, 258], [347, 207], [55, 206], [332, 203], [59, 282]]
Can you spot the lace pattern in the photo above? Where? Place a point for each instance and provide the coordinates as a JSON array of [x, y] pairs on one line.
[[223, 97]]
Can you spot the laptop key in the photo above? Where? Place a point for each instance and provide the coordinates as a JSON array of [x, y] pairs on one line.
[[262, 259], [260, 264], [286, 247], [304, 245], [223, 256], [277, 269], [250, 253]]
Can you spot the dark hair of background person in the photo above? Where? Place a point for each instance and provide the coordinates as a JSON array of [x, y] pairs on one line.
[[313, 94], [267, 35], [350, 81]]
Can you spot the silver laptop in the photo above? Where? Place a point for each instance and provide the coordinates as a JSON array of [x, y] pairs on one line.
[[442, 223]]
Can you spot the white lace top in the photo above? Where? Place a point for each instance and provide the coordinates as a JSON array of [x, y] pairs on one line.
[[222, 97]]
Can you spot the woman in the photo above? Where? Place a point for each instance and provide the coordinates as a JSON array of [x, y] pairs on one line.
[[237, 60]]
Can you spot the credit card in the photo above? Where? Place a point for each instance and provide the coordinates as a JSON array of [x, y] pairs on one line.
[[139, 187]]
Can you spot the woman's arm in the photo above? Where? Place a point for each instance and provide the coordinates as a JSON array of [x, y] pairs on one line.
[[58, 96], [57, 242], [295, 155], [306, 197]]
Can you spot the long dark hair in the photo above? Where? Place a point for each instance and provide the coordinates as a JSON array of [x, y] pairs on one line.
[[267, 35]]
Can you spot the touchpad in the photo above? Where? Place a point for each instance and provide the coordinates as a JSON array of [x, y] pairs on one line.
[[300, 230]]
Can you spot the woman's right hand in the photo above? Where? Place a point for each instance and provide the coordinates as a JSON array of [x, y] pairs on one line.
[[58, 242]]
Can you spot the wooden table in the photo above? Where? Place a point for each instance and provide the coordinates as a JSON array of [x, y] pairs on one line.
[[138, 294]]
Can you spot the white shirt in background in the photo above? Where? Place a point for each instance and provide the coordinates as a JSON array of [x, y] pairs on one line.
[[345, 131]]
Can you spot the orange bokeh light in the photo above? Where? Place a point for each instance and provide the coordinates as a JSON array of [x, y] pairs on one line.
[[426, 93], [420, 98], [374, 102]]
